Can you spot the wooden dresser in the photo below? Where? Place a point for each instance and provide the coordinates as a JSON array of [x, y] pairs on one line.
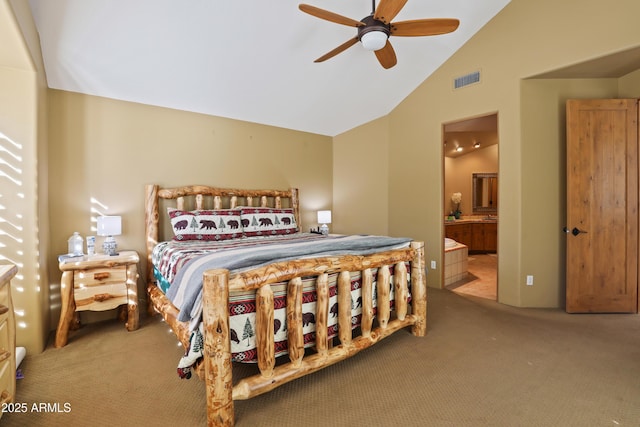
[[7, 336]]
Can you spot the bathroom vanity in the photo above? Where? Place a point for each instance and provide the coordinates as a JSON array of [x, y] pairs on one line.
[[479, 235]]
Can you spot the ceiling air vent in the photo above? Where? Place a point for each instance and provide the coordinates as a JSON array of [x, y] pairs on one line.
[[466, 80]]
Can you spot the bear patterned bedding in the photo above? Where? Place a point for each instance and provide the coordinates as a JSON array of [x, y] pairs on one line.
[[179, 265]]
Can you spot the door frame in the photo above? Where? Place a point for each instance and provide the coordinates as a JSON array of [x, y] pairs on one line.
[[471, 124]]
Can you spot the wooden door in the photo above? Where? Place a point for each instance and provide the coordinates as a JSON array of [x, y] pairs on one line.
[[602, 206]]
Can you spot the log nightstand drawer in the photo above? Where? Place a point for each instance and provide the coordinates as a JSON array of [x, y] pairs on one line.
[[100, 276], [98, 283], [100, 289]]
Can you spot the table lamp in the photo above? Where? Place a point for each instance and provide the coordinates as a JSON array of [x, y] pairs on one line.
[[109, 226], [324, 218]]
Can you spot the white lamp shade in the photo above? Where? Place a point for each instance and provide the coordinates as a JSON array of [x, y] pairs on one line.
[[374, 40], [109, 225], [324, 217]]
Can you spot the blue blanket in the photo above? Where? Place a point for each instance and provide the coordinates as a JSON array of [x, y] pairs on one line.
[[185, 291]]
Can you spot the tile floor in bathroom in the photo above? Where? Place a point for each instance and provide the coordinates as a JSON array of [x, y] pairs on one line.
[[481, 280]]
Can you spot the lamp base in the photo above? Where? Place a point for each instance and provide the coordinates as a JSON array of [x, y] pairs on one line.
[[109, 246], [324, 229]]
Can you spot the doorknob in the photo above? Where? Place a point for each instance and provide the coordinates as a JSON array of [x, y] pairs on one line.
[[575, 231]]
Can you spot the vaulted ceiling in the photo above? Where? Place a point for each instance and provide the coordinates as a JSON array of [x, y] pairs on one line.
[[11, 36], [249, 60]]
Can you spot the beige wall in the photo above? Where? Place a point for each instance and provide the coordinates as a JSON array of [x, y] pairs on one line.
[[629, 85], [107, 150], [361, 200], [525, 39], [23, 240]]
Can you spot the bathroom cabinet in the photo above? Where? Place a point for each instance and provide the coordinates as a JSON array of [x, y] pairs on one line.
[[461, 233], [479, 236], [485, 237]]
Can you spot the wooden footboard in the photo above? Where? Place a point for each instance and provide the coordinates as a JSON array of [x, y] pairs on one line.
[[216, 367]]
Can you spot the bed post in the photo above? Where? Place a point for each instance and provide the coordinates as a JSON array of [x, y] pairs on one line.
[[295, 204], [217, 348], [151, 234], [419, 290]]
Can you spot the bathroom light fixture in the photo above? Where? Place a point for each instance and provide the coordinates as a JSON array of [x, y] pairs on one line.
[[109, 226], [324, 218], [459, 149], [476, 145]]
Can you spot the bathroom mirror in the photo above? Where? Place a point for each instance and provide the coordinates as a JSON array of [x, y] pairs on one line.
[[485, 193]]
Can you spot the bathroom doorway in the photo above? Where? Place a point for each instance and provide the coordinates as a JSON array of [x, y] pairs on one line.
[[471, 199]]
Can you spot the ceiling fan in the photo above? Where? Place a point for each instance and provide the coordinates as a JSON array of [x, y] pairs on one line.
[[374, 30]]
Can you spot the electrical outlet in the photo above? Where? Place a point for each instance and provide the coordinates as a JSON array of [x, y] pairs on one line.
[[433, 264], [529, 280]]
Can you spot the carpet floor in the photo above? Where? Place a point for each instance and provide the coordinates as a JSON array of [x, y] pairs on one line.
[[481, 364]]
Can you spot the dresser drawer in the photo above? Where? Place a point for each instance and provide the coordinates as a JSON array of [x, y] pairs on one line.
[[6, 353], [99, 277], [7, 337], [4, 312], [4, 304], [6, 382], [4, 339]]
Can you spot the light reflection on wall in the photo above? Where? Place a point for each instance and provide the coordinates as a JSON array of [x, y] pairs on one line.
[[11, 217], [97, 209]]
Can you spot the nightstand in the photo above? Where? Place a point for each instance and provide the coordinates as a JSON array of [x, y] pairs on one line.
[[97, 283]]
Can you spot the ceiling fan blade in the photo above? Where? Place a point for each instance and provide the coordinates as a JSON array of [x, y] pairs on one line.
[[424, 27], [388, 9], [329, 16], [344, 46], [387, 56]]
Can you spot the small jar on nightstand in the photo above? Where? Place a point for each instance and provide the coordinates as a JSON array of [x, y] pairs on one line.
[[97, 283]]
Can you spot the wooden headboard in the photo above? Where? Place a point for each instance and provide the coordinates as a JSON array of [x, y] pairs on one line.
[[196, 197]]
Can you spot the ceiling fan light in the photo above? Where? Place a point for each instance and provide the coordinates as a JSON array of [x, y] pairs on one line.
[[374, 40]]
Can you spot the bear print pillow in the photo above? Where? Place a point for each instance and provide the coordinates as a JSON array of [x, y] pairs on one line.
[[220, 224], [267, 221]]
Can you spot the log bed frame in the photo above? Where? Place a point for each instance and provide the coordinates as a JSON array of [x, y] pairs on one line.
[[216, 367]]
